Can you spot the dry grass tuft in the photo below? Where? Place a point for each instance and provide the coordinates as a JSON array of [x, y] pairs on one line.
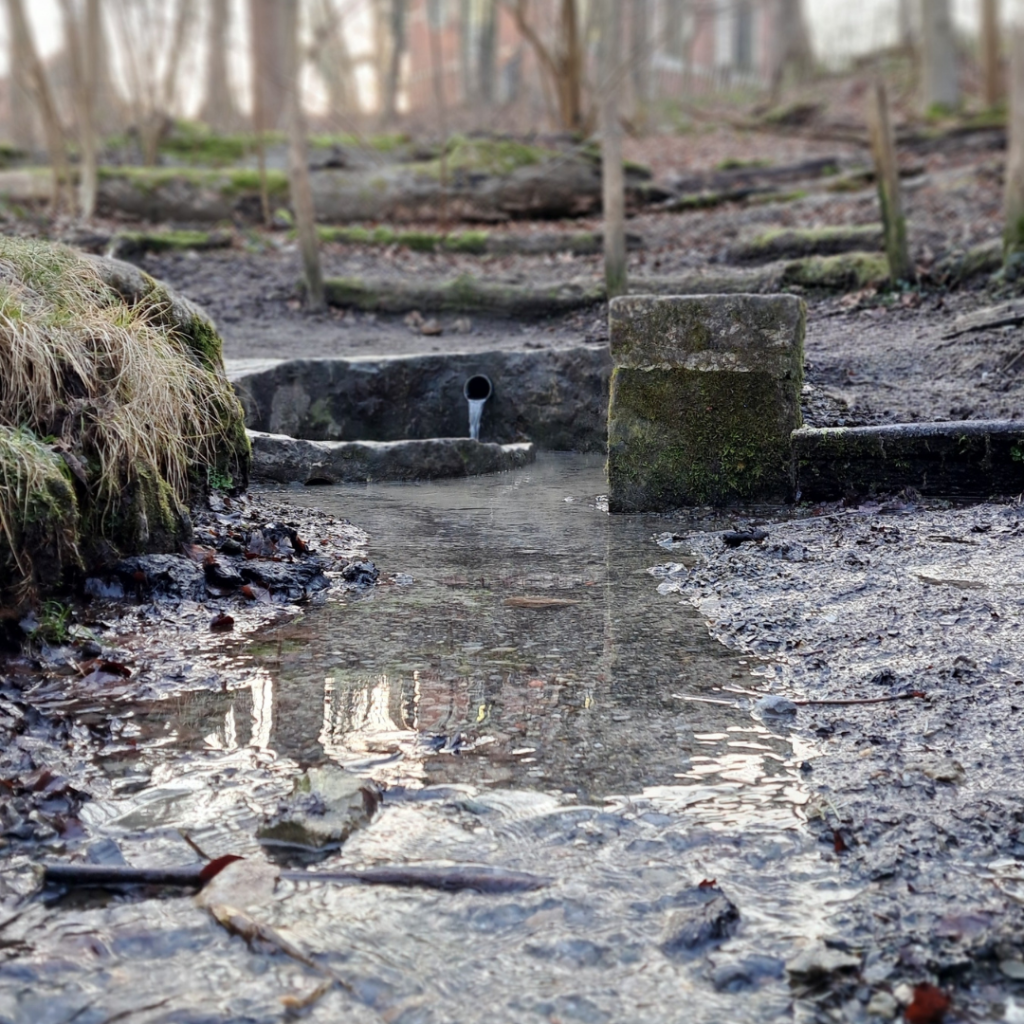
[[106, 384]]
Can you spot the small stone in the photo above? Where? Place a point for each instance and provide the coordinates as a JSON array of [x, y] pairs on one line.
[[775, 704], [821, 961], [903, 994], [1012, 969], [327, 805], [883, 1004], [431, 328], [463, 325]]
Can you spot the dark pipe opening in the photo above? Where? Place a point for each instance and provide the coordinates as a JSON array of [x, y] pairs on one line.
[[477, 388]]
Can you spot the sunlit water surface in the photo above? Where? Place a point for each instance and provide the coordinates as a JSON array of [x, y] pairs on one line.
[[513, 684]]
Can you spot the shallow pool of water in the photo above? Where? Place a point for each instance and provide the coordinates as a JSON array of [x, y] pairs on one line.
[[513, 684]]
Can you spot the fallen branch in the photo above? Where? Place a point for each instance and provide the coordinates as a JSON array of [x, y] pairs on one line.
[[864, 700], [451, 878]]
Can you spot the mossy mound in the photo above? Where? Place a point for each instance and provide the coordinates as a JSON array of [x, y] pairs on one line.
[[114, 414]]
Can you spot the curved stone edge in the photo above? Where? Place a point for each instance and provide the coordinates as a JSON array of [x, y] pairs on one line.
[[278, 458], [975, 458]]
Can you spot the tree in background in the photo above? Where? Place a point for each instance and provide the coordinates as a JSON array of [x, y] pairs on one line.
[[63, 189], [219, 110], [940, 88], [269, 22], [329, 54], [613, 183], [562, 61], [391, 40], [83, 41], [1013, 202], [298, 161], [791, 46], [991, 58]]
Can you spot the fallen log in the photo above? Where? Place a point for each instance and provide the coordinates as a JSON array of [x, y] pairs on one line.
[[1006, 314]]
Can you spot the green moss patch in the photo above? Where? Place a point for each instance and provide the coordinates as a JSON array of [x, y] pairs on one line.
[[845, 272], [231, 182], [679, 437], [131, 244], [818, 241]]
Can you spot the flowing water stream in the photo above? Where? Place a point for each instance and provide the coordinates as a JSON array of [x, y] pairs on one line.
[[513, 686]]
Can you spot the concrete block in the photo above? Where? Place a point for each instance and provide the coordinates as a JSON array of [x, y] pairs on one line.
[[705, 393], [974, 458]]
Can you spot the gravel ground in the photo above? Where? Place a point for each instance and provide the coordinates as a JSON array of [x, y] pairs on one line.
[[917, 797]]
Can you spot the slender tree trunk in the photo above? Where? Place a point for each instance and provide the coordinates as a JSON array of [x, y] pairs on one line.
[[268, 26], [572, 61], [791, 45], [640, 58], [940, 89], [437, 74], [219, 110], [991, 58], [331, 57], [613, 184], [63, 191], [22, 125], [298, 168], [487, 53], [1013, 233], [82, 43], [883, 150], [389, 107]]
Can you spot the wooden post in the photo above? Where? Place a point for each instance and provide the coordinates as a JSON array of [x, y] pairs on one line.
[[990, 56], [1013, 199], [298, 173], [883, 150], [613, 183]]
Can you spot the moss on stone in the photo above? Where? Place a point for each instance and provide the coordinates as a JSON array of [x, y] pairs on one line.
[[844, 272], [469, 242], [680, 437], [817, 241], [493, 157], [39, 517]]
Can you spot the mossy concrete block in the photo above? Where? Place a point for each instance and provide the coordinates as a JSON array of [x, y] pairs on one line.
[[705, 394], [975, 458]]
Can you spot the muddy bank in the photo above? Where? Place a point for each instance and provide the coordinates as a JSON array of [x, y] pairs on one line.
[[915, 800]]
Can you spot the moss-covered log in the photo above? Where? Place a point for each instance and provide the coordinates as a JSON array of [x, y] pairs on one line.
[[114, 410], [782, 243]]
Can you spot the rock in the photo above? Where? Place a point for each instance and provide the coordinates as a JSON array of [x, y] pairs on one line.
[[281, 459], [327, 805], [883, 1004], [821, 241], [820, 961], [360, 574], [710, 917], [287, 581], [557, 398], [705, 393], [151, 578], [775, 704], [1012, 969]]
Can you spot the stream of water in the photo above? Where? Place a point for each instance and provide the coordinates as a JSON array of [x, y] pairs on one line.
[[513, 685]]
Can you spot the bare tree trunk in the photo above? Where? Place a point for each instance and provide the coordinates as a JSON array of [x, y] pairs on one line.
[[330, 55], [219, 110], [563, 63], [389, 107], [82, 42], [791, 45], [640, 58], [991, 58], [268, 26], [298, 166], [883, 149], [940, 89], [437, 74], [487, 53], [63, 191], [22, 125], [905, 23], [1013, 203], [613, 183]]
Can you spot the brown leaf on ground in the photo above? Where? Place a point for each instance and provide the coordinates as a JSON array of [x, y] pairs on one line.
[[222, 623], [929, 1005]]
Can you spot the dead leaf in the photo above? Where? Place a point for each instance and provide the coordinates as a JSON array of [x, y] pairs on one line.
[[222, 623], [239, 883], [929, 1005], [217, 865]]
